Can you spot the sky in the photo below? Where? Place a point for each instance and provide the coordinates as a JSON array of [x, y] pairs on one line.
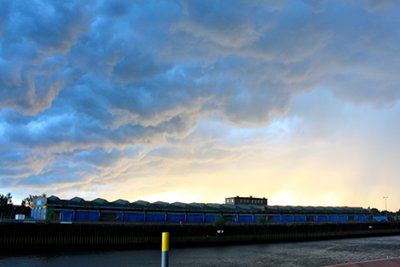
[[195, 101]]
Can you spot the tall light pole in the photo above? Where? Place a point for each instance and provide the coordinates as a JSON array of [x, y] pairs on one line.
[[385, 198]]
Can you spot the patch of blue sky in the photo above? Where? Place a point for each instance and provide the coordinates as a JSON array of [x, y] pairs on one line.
[[2, 128], [37, 126], [176, 71], [187, 69], [41, 124]]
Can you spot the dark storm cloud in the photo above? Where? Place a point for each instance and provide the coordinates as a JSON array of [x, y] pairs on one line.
[[34, 35], [104, 75]]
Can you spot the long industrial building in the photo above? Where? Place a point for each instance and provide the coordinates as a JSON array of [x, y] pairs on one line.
[[101, 210]]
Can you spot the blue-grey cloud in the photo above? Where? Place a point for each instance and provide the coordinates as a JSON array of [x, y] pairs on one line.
[[84, 81]]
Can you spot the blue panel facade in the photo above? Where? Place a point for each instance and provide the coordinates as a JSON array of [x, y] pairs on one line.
[[66, 216], [119, 217], [361, 218], [300, 218], [287, 218], [322, 218], [209, 218], [33, 213], [155, 217], [276, 218], [134, 217], [333, 218], [176, 218], [194, 218], [380, 218], [160, 216], [245, 218], [235, 218], [87, 216], [38, 213]]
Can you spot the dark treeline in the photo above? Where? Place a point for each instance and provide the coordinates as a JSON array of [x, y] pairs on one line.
[[8, 209]]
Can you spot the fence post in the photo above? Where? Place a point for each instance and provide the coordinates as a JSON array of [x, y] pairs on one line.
[[164, 249]]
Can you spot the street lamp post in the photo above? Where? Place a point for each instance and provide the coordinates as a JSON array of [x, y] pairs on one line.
[[385, 198]]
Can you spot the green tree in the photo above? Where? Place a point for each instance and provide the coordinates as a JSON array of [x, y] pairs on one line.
[[375, 212], [50, 215], [262, 220], [29, 200], [6, 205], [219, 222]]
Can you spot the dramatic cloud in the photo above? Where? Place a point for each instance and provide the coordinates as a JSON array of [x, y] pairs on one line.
[[99, 94]]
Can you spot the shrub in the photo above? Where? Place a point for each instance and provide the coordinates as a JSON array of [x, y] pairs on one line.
[[219, 222]]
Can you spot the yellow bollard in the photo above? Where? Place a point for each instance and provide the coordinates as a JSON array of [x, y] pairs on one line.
[[164, 249]]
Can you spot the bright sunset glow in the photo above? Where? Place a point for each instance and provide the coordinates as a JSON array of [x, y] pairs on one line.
[[195, 101]]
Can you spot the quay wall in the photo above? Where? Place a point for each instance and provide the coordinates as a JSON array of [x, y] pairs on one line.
[[42, 236]]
